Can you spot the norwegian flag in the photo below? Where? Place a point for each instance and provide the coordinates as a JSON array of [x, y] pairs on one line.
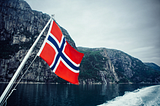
[[62, 58]]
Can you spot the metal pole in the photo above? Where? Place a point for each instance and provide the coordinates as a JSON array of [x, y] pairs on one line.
[[9, 86]]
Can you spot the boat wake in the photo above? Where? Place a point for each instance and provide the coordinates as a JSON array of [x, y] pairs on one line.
[[148, 96]]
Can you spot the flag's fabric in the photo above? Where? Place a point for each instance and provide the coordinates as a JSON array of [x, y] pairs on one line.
[[62, 58]]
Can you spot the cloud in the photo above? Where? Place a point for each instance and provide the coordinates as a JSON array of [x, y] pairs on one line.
[[130, 26]]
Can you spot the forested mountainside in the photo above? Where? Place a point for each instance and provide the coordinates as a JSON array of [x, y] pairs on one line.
[[116, 66], [20, 26]]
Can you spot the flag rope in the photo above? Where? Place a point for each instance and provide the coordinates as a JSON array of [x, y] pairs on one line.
[[9, 86], [19, 80]]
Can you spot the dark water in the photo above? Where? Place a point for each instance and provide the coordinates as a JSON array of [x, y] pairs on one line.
[[66, 95]]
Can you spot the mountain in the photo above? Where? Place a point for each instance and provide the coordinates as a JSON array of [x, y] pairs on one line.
[[96, 67], [153, 65], [116, 66], [20, 26]]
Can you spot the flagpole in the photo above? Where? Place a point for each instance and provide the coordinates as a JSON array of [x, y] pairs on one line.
[[9, 86]]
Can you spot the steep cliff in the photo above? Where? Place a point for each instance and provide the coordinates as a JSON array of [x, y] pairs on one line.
[[130, 69], [117, 67], [96, 67], [19, 27]]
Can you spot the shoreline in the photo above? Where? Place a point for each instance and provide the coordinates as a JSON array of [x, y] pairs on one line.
[[80, 83]]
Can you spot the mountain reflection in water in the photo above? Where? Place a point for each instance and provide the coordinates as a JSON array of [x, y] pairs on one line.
[[66, 94]]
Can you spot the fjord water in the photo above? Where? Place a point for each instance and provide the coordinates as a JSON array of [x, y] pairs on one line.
[[149, 96], [84, 95]]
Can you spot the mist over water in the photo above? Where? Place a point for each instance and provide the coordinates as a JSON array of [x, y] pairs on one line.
[[82, 95]]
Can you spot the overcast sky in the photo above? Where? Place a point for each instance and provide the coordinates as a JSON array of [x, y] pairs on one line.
[[132, 26]]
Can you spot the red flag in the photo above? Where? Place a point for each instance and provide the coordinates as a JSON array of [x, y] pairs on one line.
[[62, 58]]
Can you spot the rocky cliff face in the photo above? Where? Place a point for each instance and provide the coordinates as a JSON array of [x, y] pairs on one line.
[[116, 67], [130, 69], [19, 27], [96, 67]]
